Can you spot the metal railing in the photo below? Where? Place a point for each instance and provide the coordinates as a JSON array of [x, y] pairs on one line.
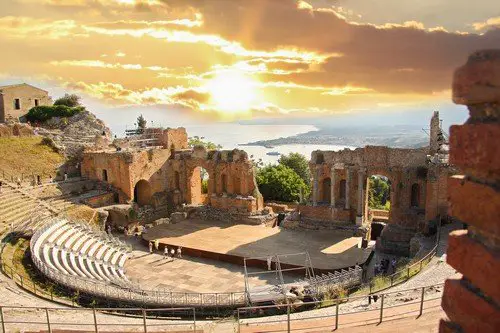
[[384, 306], [133, 295], [15, 318]]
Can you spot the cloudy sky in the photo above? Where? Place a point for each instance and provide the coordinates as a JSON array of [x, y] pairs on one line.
[[245, 59]]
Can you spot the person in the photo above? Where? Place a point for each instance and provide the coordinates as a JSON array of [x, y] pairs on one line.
[[125, 231], [172, 253], [269, 263], [393, 265], [18, 182], [109, 229], [1, 184], [165, 253], [50, 179], [179, 252], [65, 176], [150, 247], [157, 244]]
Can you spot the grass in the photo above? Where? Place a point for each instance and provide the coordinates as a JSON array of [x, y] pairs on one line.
[[82, 213], [27, 155]]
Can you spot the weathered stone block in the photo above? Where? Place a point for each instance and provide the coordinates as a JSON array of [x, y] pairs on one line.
[[477, 263], [478, 81], [469, 310], [177, 217], [448, 327], [474, 203], [474, 150]]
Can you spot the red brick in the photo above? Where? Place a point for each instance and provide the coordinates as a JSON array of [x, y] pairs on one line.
[[468, 310], [475, 149], [448, 327], [477, 263], [478, 81], [474, 203]]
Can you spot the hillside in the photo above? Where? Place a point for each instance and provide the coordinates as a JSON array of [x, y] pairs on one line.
[[27, 155]]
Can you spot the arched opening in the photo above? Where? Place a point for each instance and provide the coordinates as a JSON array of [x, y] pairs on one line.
[[224, 183], [376, 231], [326, 194], [342, 189], [415, 196], [236, 185], [142, 193], [379, 197], [177, 180], [204, 176]]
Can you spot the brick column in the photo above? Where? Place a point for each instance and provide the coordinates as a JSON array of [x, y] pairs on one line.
[[348, 188], [332, 187], [472, 303]]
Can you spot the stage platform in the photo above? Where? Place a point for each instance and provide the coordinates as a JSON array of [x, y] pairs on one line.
[[328, 249]]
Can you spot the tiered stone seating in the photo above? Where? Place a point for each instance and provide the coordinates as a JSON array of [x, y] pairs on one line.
[[76, 250]]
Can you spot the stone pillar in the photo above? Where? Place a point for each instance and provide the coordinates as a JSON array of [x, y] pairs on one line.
[[316, 186], [348, 189], [332, 187], [359, 215], [472, 300]]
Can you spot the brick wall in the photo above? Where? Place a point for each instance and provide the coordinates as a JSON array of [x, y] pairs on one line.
[[472, 303]]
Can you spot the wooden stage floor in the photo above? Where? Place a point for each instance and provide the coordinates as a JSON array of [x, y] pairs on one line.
[[328, 249]]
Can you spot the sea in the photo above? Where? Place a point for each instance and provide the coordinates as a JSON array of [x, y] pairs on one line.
[[229, 135]]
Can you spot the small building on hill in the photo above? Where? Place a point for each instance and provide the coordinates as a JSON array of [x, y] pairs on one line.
[[17, 99]]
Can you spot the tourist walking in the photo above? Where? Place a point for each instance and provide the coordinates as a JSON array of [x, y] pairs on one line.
[[165, 253], [150, 247], [393, 265], [179, 252], [18, 182], [157, 244], [269, 263], [172, 253]]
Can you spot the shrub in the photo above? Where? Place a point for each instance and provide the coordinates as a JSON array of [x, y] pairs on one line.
[[69, 100], [45, 112], [279, 182]]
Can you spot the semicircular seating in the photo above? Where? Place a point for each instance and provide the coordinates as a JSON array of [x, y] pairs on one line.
[[77, 250]]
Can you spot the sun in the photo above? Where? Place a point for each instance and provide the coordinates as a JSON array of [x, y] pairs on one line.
[[232, 92]]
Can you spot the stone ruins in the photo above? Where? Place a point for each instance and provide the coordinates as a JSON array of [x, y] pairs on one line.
[[162, 171]]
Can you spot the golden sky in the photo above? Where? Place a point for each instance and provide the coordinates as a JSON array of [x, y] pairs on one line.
[[239, 59]]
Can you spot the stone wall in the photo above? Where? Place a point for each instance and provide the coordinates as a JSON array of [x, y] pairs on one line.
[[173, 175], [26, 94], [17, 129], [472, 303], [100, 200]]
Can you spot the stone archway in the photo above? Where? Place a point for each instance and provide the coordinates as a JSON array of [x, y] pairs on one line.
[[326, 194], [142, 193]]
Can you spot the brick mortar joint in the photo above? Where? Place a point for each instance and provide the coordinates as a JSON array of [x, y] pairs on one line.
[[467, 284]]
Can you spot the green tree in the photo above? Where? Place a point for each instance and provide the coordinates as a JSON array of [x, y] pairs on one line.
[[141, 122], [70, 100], [281, 183], [379, 192], [197, 141], [298, 163]]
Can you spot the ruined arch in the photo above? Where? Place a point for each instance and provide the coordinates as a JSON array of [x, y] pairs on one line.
[[342, 189], [326, 186], [415, 196], [223, 178], [142, 193], [177, 180]]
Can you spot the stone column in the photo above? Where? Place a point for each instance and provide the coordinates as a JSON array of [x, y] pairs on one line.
[[348, 189], [332, 187], [359, 214], [316, 186]]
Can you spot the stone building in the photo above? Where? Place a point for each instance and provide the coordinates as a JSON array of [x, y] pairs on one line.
[[418, 182], [472, 301], [172, 174], [16, 100]]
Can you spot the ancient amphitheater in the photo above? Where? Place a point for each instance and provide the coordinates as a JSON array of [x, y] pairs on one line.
[[65, 271]]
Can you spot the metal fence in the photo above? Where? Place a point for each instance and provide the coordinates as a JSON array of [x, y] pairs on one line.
[[375, 309], [134, 295], [16, 319]]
